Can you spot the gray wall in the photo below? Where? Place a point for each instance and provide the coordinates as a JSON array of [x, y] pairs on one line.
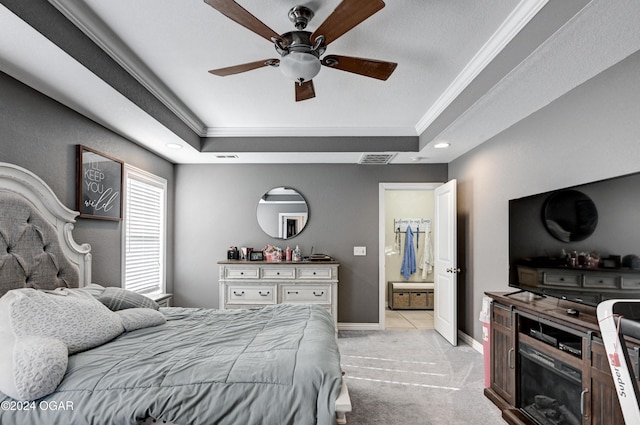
[[589, 134], [41, 135], [216, 208]]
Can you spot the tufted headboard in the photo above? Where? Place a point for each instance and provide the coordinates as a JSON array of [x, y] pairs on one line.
[[37, 248]]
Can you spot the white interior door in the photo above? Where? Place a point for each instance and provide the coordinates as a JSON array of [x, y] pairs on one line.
[[445, 264]]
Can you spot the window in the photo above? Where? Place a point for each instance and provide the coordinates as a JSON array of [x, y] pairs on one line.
[[144, 231]]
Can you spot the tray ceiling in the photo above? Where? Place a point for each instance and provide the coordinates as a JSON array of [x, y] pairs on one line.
[[466, 71]]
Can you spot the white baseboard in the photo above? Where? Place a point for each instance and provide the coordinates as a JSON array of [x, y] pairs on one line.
[[376, 327], [471, 342], [359, 327]]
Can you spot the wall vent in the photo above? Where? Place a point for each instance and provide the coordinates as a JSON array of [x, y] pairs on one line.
[[376, 158], [226, 156]]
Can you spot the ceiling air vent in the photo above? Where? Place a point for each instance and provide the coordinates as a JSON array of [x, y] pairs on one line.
[[376, 158]]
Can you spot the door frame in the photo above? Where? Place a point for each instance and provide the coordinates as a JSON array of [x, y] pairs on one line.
[[382, 188]]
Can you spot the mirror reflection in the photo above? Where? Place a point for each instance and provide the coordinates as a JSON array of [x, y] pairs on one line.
[[570, 216], [282, 212]]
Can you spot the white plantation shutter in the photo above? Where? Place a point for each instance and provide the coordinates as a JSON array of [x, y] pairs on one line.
[[144, 227]]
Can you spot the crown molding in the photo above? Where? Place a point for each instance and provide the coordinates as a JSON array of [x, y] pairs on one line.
[[310, 132], [519, 17], [94, 28]]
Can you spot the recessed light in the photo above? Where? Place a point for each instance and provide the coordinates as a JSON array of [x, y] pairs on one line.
[[442, 145], [174, 145]]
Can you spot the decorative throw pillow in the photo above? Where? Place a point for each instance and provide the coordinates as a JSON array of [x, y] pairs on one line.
[[93, 289], [76, 318], [39, 365], [119, 299], [138, 318], [38, 330]]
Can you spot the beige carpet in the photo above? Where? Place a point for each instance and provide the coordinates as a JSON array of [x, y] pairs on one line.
[[413, 377]]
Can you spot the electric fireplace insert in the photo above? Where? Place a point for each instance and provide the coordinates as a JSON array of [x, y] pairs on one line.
[[549, 391]]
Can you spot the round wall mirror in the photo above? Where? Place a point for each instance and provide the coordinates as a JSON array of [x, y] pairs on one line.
[[282, 213], [570, 215]]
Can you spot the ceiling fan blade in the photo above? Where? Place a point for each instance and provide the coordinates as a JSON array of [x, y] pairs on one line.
[[305, 91], [367, 67], [347, 15], [237, 69], [237, 13]]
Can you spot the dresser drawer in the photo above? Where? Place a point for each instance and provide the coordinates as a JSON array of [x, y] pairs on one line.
[[562, 279], [242, 273], [314, 273], [244, 294], [630, 282], [316, 294], [601, 281], [278, 273], [527, 276]]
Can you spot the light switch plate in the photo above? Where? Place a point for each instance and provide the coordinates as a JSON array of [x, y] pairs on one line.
[[359, 250]]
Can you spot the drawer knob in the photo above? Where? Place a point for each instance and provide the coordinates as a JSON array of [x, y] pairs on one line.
[[292, 292], [278, 273], [314, 273], [318, 294], [238, 294], [264, 294], [241, 273]]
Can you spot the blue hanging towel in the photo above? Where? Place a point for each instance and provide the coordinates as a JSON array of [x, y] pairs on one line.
[[409, 260]]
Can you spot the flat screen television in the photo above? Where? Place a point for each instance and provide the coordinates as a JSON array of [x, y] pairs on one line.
[[580, 243]]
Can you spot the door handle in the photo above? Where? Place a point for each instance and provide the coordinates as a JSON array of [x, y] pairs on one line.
[[453, 270], [582, 402]]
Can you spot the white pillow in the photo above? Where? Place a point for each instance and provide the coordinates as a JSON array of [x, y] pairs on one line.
[[76, 318], [39, 329], [39, 365]]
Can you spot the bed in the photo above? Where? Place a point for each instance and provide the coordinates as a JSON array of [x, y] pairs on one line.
[[276, 365]]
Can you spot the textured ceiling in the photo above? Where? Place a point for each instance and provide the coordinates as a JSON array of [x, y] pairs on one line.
[[466, 71]]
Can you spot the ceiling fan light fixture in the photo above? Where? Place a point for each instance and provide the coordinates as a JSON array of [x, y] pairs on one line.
[[300, 66]]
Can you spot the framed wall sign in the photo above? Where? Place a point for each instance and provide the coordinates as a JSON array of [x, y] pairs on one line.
[[98, 185]]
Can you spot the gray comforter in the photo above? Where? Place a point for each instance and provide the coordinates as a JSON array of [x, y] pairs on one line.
[[278, 365]]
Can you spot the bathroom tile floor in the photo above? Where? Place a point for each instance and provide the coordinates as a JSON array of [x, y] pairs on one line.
[[408, 319]]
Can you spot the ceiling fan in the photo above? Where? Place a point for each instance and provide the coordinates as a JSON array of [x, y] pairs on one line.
[[301, 51]]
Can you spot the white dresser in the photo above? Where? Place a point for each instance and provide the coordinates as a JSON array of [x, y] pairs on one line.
[[248, 284]]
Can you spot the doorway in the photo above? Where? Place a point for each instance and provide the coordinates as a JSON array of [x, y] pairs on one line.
[[443, 239], [397, 202]]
